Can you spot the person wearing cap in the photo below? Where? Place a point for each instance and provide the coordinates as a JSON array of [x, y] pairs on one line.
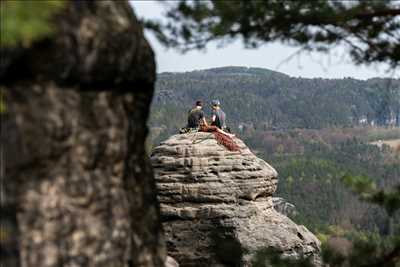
[[217, 115], [196, 116], [217, 127]]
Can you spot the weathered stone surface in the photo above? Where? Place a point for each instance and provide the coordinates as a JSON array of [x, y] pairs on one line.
[[284, 207], [170, 262], [78, 184], [217, 207]]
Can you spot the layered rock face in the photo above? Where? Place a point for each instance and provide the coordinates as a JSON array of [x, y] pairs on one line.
[[216, 205], [78, 187], [284, 207]]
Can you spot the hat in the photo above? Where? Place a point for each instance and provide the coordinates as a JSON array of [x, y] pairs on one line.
[[215, 102]]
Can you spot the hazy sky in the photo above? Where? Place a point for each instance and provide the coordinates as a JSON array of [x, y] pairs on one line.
[[272, 56]]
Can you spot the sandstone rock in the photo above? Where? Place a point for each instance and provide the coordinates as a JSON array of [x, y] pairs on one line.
[[216, 205], [78, 184], [170, 262], [284, 207]]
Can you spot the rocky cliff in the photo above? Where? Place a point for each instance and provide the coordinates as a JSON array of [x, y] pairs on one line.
[[217, 207], [78, 187]]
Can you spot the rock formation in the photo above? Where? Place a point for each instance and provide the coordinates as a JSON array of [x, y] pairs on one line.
[[284, 207], [216, 205], [78, 185]]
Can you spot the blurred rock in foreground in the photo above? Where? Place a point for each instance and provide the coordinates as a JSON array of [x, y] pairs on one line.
[[79, 189]]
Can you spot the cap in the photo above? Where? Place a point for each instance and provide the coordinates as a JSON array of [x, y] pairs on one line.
[[215, 102]]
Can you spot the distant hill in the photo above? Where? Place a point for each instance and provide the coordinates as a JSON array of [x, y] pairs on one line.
[[261, 98], [228, 71]]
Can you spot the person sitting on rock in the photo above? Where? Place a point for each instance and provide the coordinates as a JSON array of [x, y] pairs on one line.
[[196, 115], [222, 137], [196, 120], [218, 115]]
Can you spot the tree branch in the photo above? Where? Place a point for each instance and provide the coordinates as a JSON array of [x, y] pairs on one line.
[[380, 13]]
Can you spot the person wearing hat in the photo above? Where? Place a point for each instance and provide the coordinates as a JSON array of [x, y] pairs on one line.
[[217, 115]]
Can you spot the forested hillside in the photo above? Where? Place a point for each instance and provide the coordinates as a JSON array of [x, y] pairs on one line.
[[260, 98], [312, 163], [313, 131]]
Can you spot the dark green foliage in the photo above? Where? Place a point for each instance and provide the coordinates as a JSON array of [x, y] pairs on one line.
[[367, 190], [363, 249], [313, 182], [369, 29], [311, 178], [368, 250]]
